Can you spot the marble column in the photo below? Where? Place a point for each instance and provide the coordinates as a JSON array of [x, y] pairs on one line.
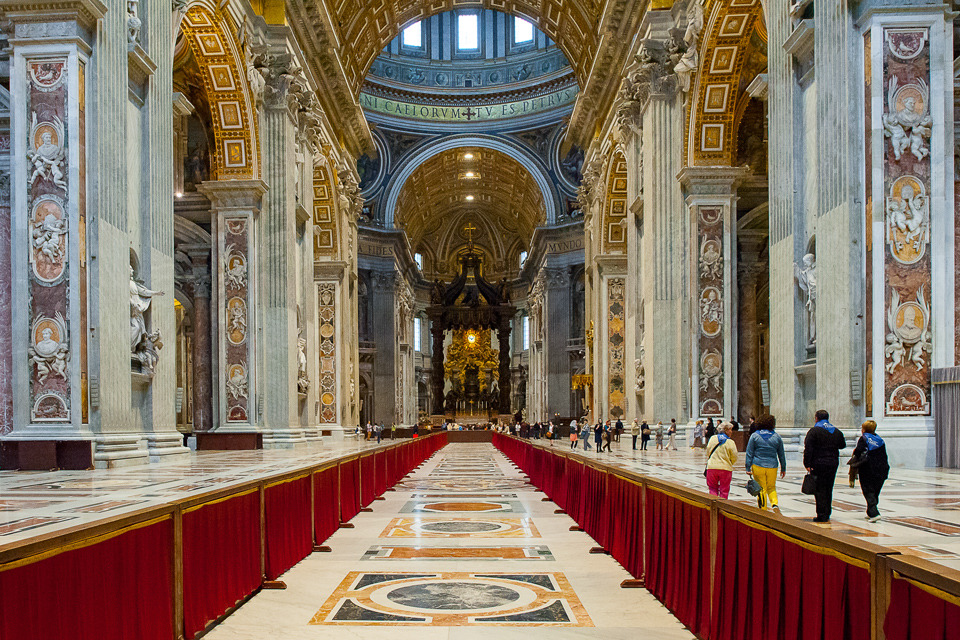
[[557, 307], [6, 289], [503, 336], [384, 335], [748, 334], [277, 248], [202, 365], [235, 205], [712, 267], [436, 371]]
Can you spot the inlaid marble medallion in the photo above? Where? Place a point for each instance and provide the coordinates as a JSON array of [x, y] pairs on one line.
[[460, 528], [463, 506], [417, 552], [454, 599]]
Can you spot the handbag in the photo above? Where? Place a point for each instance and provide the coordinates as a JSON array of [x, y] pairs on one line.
[[809, 486], [753, 487]]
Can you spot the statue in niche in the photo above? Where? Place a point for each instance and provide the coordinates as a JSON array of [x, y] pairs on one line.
[[133, 21], [437, 293], [908, 122], [303, 380], [807, 280], [144, 344]]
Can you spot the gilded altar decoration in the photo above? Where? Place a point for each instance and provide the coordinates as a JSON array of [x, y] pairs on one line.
[[908, 219], [470, 349]]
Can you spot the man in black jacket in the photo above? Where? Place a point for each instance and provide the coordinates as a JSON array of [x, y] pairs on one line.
[[821, 457]]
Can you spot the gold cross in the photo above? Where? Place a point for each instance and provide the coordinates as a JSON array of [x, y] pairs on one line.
[[469, 229]]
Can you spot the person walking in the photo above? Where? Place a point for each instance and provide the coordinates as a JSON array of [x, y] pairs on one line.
[[658, 433], [369, 431], [598, 435], [607, 436], [698, 434], [644, 435], [585, 434], [764, 455], [711, 429], [821, 457], [393, 431], [619, 427], [672, 432], [635, 432], [574, 430], [871, 465], [379, 431], [721, 458]]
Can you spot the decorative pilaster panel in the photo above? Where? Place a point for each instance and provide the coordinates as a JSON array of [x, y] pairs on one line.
[[711, 296], [616, 332], [324, 221], [902, 268], [236, 204], [327, 308]]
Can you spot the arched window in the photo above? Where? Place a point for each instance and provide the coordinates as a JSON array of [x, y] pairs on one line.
[[417, 345], [418, 258], [413, 35], [525, 327], [523, 258]]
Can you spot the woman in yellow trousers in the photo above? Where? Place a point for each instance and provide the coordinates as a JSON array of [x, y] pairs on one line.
[[764, 456]]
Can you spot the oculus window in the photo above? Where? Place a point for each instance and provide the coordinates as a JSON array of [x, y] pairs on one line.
[[468, 32], [522, 31], [413, 35]]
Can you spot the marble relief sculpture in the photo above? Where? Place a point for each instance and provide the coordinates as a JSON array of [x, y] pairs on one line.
[[908, 220], [907, 122], [48, 154], [690, 60], [908, 337], [46, 236], [133, 22], [236, 269], [807, 281], [237, 382], [711, 261], [50, 350], [144, 344]]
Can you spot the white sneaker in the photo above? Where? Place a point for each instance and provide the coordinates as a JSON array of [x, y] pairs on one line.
[[873, 518]]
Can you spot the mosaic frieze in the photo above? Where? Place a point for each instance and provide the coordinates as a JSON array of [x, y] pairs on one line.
[[710, 310], [328, 354], [907, 128], [48, 232], [615, 334]]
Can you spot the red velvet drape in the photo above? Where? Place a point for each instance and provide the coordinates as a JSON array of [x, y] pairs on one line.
[[326, 503], [118, 588], [915, 614], [368, 480], [288, 525], [576, 492], [349, 489], [678, 552], [626, 537], [809, 595], [596, 507]]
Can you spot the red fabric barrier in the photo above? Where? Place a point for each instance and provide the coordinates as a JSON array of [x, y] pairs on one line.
[[626, 537], [573, 474], [288, 527], [349, 489], [917, 614], [596, 507], [678, 552], [219, 570], [326, 503], [368, 480], [811, 596], [118, 588]]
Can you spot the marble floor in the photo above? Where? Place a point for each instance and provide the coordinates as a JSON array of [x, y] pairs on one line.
[[463, 544], [920, 508]]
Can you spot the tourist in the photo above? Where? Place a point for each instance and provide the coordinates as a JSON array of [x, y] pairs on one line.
[[393, 431], [369, 431], [821, 457], [736, 425], [870, 463], [607, 436], [635, 432], [378, 430], [644, 435], [585, 434], [598, 435], [658, 433], [416, 429], [672, 432], [752, 428], [764, 455], [573, 434], [721, 458], [711, 430], [619, 427], [698, 439]]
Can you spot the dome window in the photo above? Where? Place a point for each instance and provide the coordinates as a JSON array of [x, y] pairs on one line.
[[413, 35], [468, 32], [522, 31]]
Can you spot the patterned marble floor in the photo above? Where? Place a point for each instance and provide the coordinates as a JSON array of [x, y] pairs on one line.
[[463, 545], [920, 508]]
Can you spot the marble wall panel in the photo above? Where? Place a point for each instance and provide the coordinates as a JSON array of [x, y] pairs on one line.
[[710, 309], [616, 335], [327, 303], [236, 309]]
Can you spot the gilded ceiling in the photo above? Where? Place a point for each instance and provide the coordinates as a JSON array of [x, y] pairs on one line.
[[490, 191]]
